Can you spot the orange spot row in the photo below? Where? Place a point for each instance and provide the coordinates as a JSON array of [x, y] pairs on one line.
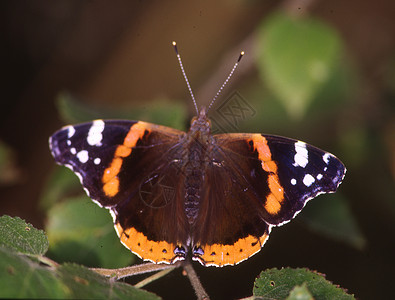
[[139, 244], [110, 175], [222, 255]]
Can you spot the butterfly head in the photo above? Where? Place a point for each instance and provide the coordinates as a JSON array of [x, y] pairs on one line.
[[201, 124]]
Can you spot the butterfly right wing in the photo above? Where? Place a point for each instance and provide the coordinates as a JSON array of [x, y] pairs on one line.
[[255, 182]]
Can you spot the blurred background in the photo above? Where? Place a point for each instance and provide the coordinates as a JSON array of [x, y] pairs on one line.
[[319, 71]]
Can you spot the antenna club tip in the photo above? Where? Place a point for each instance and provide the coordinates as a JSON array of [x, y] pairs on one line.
[[175, 46], [240, 56]]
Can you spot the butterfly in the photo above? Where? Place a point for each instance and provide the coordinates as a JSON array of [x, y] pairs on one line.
[[173, 193]]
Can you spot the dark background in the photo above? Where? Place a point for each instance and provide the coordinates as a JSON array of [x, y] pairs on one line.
[[119, 52]]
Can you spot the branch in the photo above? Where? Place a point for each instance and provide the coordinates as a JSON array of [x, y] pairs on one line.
[[201, 294], [134, 270]]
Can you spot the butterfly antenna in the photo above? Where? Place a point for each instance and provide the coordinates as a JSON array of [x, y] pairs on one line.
[[226, 80], [185, 77]]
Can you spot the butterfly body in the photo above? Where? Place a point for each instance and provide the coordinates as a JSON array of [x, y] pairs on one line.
[[197, 148]]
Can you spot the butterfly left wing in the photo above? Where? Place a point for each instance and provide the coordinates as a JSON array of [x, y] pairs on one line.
[[260, 181], [129, 167]]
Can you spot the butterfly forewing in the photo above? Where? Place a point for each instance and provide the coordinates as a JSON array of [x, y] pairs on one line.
[[88, 149], [304, 171]]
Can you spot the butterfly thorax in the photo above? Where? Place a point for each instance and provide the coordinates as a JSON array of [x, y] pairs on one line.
[[197, 147]]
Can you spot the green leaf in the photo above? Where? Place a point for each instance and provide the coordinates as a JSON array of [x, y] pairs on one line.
[[61, 183], [296, 59], [24, 278], [16, 234], [85, 284], [160, 111], [300, 293], [331, 216], [278, 284], [80, 231]]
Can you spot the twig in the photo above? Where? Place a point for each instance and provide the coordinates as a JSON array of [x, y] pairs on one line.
[[153, 277], [249, 298], [45, 260], [201, 294], [134, 270]]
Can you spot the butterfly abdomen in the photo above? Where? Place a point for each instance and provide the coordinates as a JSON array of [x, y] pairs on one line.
[[193, 180], [197, 149]]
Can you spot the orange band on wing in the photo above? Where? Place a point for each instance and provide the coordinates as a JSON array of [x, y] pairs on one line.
[[276, 197], [146, 249], [122, 151], [111, 187], [110, 175], [134, 134], [221, 255], [112, 170], [260, 144], [275, 187], [272, 205]]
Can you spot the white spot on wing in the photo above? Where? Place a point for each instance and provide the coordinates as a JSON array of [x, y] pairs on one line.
[[73, 151], [326, 157], [293, 181], [83, 156], [319, 176], [97, 161], [301, 157], [71, 131], [95, 135], [308, 180]]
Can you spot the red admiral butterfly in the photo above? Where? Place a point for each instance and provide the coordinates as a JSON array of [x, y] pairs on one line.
[[172, 192]]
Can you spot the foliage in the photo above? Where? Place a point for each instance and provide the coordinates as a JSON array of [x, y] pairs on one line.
[[27, 273], [298, 283]]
